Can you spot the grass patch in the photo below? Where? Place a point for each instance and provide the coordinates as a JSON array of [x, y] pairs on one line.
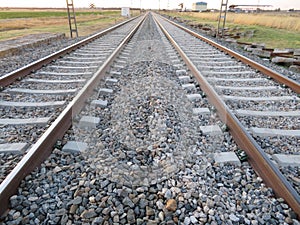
[[43, 14], [273, 38], [275, 30], [16, 23], [16, 15]]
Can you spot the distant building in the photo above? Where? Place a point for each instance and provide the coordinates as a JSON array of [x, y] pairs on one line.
[[125, 11], [199, 6]]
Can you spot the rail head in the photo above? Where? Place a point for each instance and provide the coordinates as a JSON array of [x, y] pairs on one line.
[[43, 147], [257, 158], [294, 85]]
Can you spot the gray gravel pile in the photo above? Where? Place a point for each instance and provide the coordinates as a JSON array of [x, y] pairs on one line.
[[7, 167], [272, 122], [280, 145], [66, 190], [263, 105], [293, 176], [147, 162]]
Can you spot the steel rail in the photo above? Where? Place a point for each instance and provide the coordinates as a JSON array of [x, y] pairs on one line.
[[43, 147], [256, 156], [9, 78], [294, 85]]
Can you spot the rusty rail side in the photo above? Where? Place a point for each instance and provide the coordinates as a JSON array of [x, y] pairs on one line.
[[257, 157], [43, 147], [9, 78], [295, 86]]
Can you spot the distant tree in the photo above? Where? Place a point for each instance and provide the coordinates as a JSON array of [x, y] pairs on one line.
[[92, 6]]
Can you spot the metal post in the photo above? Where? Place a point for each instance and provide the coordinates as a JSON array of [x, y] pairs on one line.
[[222, 18], [72, 18]]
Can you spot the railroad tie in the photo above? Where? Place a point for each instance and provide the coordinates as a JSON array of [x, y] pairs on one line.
[[88, 122], [212, 130], [13, 148], [33, 121], [31, 104], [105, 91], [194, 97], [75, 147], [50, 92], [226, 158], [266, 132], [99, 103], [181, 72], [201, 111], [287, 160], [189, 87]]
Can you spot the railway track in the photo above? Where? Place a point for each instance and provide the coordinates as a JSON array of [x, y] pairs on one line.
[[145, 141], [276, 117], [37, 101]]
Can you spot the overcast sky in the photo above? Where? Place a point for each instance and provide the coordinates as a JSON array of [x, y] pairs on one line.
[[170, 4]]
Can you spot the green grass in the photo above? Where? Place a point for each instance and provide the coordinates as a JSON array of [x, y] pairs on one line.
[[272, 37], [39, 14]]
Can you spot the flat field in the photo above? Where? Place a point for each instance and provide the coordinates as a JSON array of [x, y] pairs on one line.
[[19, 22], [275, 29]]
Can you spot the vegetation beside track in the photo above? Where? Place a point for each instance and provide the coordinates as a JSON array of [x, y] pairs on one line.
[[17, 23], [276, 30]]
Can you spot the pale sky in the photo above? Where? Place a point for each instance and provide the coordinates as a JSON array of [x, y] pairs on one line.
[[154, 4]]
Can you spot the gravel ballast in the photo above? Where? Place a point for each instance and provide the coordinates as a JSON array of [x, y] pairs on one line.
[[147, 162]]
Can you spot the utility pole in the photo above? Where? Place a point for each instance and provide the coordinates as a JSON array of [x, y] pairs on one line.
[[222, 18], [72, 18]]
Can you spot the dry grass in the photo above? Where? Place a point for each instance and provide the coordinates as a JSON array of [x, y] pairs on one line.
[[86, 23], [276, 30], [285, 21]]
